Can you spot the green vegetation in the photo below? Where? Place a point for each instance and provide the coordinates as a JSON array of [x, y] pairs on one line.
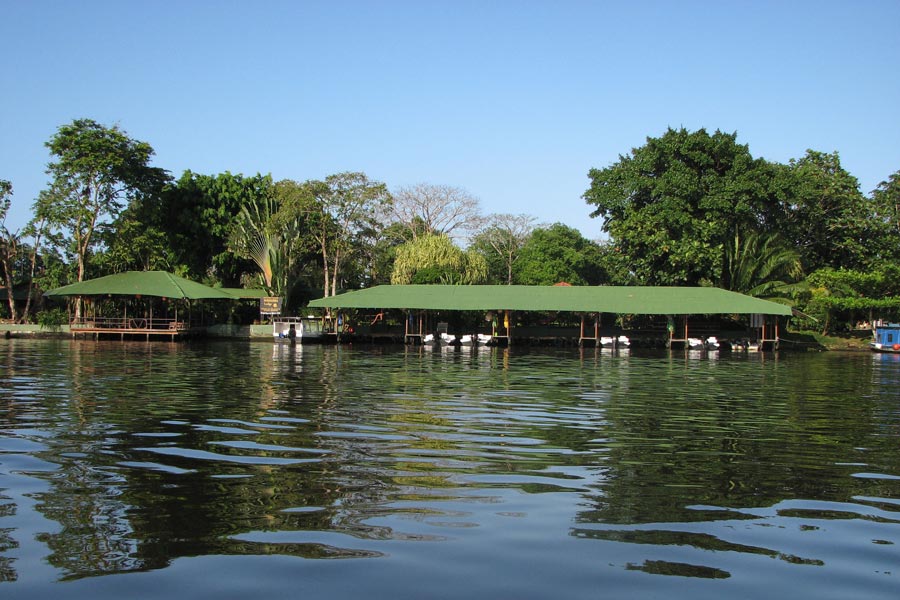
[[686, 208]]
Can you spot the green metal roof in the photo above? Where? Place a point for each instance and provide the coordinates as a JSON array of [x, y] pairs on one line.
[[145, 283], [631, 300]]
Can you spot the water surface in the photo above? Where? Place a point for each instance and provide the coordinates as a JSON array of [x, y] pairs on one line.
[[234, 469]]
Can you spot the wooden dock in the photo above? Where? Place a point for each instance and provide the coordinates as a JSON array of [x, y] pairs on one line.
[[132, 328]]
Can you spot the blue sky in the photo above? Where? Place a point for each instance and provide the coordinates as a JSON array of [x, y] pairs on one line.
[[512, 101]]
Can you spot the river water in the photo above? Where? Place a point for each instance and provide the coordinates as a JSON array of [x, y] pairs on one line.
[[236, 470]]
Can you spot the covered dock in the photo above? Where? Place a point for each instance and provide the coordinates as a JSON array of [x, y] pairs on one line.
[[172, 324], [500, 302]]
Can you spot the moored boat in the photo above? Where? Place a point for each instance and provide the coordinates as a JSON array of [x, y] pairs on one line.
[[301, 329], [886, 338]]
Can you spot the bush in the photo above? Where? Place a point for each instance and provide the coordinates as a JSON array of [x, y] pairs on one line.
[[52, 319]]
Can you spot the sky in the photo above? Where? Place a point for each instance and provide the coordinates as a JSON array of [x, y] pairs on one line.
[[512, 101]]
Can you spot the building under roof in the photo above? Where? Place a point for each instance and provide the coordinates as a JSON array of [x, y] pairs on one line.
[[632, 300], [623, 300]]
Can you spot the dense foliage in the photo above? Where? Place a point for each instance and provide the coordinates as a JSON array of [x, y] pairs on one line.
[[686, 208]]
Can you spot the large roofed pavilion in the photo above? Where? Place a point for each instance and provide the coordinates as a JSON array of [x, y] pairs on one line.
[[633, 300], [587, 300]]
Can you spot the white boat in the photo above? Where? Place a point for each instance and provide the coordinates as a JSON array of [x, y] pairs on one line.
[[300, 329], [710, 343], [480, 339], [607, 342], [623, 342], [695, 343], [447, 339], [428, 340]]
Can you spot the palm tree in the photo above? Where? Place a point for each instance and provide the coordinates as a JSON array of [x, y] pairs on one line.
[[271, 245], [762, 265]]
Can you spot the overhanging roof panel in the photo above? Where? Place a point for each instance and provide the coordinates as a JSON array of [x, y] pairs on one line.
[[145, 283], [613, 299]]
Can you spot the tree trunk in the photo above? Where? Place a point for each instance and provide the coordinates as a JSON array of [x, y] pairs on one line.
[[34, 253], [334, 272], [9, 288]]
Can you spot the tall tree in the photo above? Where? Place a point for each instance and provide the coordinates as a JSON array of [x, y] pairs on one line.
[[830, 220], [556, 254], [9, 246], [503, 239], [886, 198], [18, 258], [95, 170], [426, 209], [347, 210], [672, 204]]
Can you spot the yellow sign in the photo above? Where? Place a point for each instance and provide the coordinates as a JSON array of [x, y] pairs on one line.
[[270, 305]]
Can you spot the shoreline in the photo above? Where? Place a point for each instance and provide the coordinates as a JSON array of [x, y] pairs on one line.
[[857, 341]]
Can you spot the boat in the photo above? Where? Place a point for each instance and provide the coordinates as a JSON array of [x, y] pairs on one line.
[[301, 329], [623, 342], [710, 343], [886, 338], [480, 339]]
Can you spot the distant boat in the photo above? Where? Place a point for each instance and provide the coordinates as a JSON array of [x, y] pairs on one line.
[[480, 339], [300, 329], [710, 343], [614, 342], [887, 338]]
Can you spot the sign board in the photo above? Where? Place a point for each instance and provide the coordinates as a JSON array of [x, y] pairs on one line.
[[270, 305]]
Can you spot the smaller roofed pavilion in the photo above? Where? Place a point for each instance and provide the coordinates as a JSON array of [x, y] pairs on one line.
[[137, 284]]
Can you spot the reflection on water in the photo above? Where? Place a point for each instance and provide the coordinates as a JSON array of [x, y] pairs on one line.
[[485, 472]]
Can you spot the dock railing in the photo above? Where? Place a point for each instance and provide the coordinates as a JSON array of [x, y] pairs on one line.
[[129, 325]]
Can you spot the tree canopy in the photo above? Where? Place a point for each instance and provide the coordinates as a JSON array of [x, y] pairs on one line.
[[96, 169], [671, 204], [559, 254]]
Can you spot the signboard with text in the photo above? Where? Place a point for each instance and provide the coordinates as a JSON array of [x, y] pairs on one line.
[[270, 305]]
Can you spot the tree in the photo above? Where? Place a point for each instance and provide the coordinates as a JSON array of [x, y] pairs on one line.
[[836, 297], [434, 258], [95, 170], [761, 265], [435, 209], [272, 232], [556, 254], [886, 198], [19, 259], [346, 212], [672, 204], [502, 240], [196, 215], [9, 246], [830, 220]]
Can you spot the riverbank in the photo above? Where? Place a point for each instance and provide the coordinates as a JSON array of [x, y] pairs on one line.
[[8, 330], [792, 340]]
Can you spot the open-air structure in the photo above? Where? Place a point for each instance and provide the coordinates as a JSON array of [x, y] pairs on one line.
[[500, 302], [137, 284]]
